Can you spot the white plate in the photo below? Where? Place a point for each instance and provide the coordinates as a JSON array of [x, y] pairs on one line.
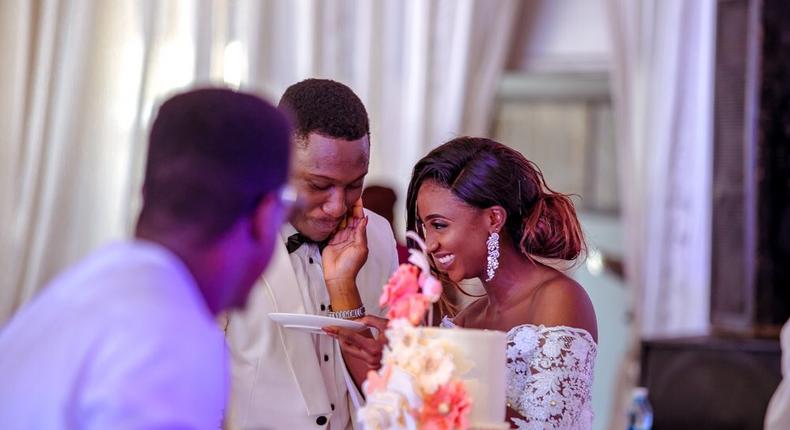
[[313, 323]]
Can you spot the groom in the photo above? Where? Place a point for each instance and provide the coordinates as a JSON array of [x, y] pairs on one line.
[[332, 260]]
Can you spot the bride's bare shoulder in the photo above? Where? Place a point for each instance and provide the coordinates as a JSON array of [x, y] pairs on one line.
[[561, 301]]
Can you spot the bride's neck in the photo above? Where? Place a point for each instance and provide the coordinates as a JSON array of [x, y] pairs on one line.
[[513, 278]]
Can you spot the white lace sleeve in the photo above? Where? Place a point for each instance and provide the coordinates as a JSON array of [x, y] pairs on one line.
[[550, 375]]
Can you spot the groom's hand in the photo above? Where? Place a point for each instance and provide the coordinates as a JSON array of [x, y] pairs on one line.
[[344, 256]]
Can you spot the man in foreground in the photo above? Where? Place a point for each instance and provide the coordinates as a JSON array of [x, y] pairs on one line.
[[126, 338]]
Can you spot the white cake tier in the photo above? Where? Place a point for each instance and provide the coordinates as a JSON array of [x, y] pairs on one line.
[[481, 354]]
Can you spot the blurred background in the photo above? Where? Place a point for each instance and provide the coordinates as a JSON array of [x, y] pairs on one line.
[[668, 119]]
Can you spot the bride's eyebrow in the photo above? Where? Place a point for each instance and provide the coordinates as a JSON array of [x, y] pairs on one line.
[[432, 216]]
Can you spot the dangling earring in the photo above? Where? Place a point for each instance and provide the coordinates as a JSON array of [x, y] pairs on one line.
[[493, 255]]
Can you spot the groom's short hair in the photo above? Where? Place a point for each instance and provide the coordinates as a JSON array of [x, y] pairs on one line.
[[213, 154], [326, 107]]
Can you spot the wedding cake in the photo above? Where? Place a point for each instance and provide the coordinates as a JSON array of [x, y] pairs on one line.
[[484, 376], [435, 378]]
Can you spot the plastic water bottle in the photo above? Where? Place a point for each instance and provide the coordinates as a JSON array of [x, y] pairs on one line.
[[640, 414]]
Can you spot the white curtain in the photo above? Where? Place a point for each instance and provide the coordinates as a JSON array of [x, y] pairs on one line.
[[81, 78], [70, 80], [662, 81]]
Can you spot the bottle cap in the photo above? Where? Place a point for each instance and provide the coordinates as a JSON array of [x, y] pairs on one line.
[[639, 393]]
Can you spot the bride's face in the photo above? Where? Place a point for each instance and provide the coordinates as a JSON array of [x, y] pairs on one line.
[[454, 232]]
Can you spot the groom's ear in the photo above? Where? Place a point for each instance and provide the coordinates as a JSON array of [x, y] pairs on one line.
[[496, 218]]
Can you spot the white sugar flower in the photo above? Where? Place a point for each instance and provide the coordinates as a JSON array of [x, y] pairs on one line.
[[384, 410], [404, 342], [432, 368], [405, 384], [431, 287], [418, 257]]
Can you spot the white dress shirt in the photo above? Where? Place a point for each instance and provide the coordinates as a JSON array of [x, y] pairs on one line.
[[309, 271], [122, 340]]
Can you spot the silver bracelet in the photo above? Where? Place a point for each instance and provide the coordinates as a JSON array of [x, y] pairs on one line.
[[349, 314]]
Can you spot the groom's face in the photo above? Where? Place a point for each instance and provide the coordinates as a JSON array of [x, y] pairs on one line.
[[328, 176]]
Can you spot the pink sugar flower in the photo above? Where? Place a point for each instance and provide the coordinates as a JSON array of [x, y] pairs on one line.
[[447, 408], [401, 284], [411, 307]]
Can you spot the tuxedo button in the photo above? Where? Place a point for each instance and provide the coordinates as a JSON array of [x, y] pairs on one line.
[[321, 420], [332, 406], [326, 357], [310, 260]]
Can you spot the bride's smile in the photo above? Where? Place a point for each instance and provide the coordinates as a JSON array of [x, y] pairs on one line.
[[444, 260]]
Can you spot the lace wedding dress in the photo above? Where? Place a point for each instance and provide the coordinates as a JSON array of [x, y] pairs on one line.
[[549, 376]]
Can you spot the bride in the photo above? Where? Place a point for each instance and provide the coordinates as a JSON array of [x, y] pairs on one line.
[[485, 212]]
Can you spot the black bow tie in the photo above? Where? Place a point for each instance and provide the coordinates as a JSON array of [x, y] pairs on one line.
[[297, 239]]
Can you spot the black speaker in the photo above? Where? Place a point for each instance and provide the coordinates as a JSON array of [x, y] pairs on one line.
[[710, 382]]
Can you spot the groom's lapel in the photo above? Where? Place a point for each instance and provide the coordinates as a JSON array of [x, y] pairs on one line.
[[298, 345]]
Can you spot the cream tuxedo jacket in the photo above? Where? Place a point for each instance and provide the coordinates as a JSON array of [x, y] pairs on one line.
[[276, 381]]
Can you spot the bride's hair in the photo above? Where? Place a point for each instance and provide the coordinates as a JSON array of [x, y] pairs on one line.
[[541, 223]]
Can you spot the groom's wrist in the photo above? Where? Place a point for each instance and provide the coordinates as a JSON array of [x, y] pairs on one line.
[[351, 314], [343, 294]]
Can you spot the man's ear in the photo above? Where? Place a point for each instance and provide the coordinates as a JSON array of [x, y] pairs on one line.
[[267, 217], [497, 216]]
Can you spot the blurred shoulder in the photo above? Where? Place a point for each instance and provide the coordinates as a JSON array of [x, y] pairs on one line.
[[377, 223], [379, 231]]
